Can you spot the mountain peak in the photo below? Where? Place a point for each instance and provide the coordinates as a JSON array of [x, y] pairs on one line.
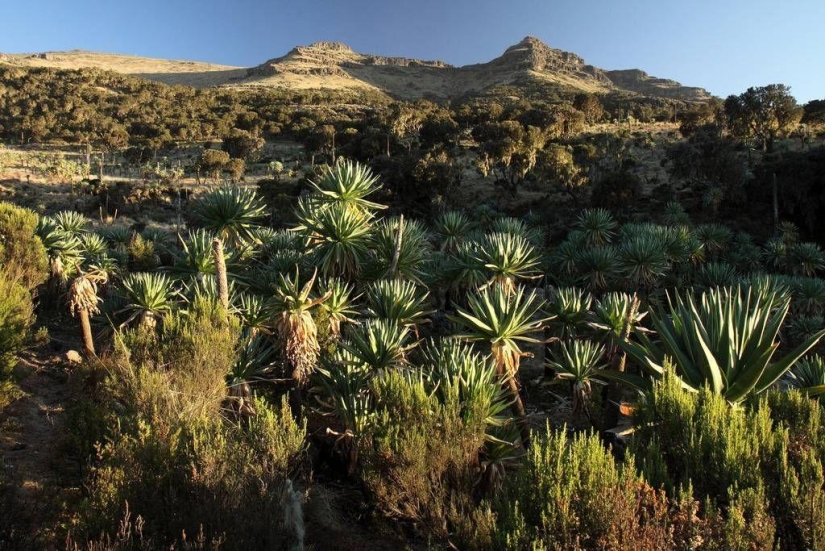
[[339, 47], [531, 40]]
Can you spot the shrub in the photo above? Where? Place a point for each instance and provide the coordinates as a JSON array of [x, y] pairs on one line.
[[422, 459], [21, 251], [16, 317], [171, 453], [764, 464]]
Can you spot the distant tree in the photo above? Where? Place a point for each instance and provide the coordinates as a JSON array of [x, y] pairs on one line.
[[763, 114], [242, 144], [438, 129], [556, 164], [814, 112], [508, 152], [236, 168], [708, 112], [590, 106], [212, 162]]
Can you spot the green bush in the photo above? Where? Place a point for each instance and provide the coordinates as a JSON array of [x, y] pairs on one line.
[[16, 317], [172, 454], [21, 251], [422, 459], [764, 462]]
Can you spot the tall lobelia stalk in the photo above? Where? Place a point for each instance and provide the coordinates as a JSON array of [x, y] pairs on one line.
[[220, 272]]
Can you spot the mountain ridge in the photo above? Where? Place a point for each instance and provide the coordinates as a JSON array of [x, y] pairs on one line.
[[335, 65]]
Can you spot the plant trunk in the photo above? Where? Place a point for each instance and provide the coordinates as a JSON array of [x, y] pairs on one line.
[[613, 394], [518, 405], [86, 329], [220, 272]]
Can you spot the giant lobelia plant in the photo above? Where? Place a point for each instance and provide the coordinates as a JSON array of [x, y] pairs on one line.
[[726, 338]]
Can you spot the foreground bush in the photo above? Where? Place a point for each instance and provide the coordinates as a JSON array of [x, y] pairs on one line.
[[21, 251], [16, 317], [769, 460], [173, 456]]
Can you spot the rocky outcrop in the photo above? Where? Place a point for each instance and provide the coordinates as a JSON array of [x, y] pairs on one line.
[[634, 80]]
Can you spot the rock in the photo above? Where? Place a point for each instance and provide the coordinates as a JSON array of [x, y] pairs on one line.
[[18, 446], [74, 357]]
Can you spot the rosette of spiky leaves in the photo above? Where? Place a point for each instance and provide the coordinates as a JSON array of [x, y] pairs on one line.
[[563, 259], [725, 339], [411, 257], [808, 294], [579, 362], [230, 211], [254, 363], [503, 320], [463, 269], [64, 249], [339, 237], [348, 183], [716, 274], [339, 305], [93, 246], [273, 243], [788, 233], [378, 344], [745, 257], [807, 259], [775, 255], [569, 307], [808, 375], [451, 228], [642, 261], [71, 222], [715, 238], [597, 227], [598, 266], [253, 312], [609, 317], [118, 237], [517, 226], [291, 309], [148, 297], [713, 197], [195, 289], [802, 327], [508, 258], [195, 256], [343, 392], [453, 368], [675, 215], [780, 284], [400, 301]]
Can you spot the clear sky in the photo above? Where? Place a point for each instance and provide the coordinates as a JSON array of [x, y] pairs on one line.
[[724, 46]]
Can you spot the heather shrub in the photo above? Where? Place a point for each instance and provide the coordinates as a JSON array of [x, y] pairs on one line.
[[16, 317], [422, 459], [761, 466], [173, 455], [22, 254]]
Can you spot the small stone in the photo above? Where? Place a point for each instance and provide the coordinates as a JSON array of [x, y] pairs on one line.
[[74, 357]]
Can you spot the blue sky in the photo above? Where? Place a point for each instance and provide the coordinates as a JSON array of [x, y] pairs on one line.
[[723, 45]]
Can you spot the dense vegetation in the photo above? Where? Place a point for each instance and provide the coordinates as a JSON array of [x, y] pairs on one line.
[[309, 358]]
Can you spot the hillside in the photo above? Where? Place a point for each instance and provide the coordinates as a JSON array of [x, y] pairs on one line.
[[191, 73], [332, 65]]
